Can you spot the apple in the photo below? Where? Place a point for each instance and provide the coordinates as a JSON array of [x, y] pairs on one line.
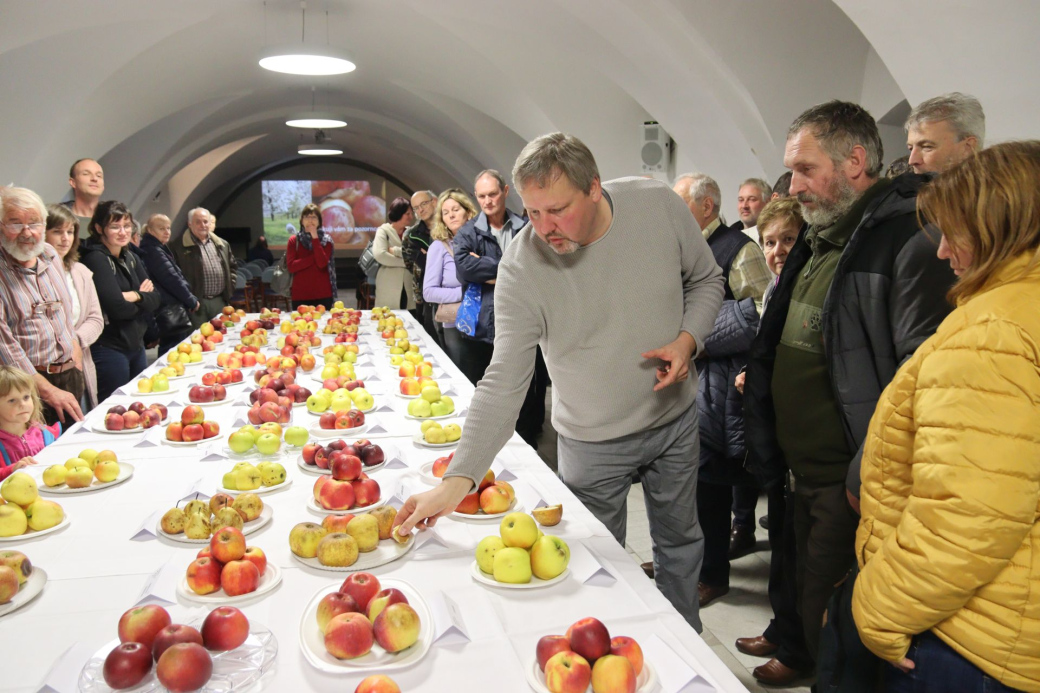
[[334, 495], [225, 628], [304, 539], [440, 465], [117, 409], [512, 565], [151, 418], [308, 452], [494, 500], [344, 467], [419, 408], [567, 672], [549, 646], [210, 429], [296, 436], [384, 599], [348, 636], [627, 647], [520, 530], [203, 575], [268, 443], [549, 557], [257, 557], [239, 577], [589, 638], [327, 421], [485, 553], [377, 683], [333, 604], [175, 431], [192, 415], [396, 628], [362, 587], [366, 492], [227, 545], [371, 455], [321, 458], [488, 480], [469, 505], [184, 667], [219, 393], [241, 441], [171, 635], [141, 623], [127, 665], [613, 674], [113, 422]]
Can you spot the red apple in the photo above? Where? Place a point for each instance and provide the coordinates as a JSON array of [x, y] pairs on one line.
[[548, 646], [184, 667], [344, 467], [192, 415], [204, 575], [383, 599], [173, 635], [137, 408], [366, 491], [308, 452], [113, 422], [333, 604], [348, 636], [117, 409], [257, 557], [567, 672], [334, 495], [175, 431], [613, 674], [161, 408], [209, 378], [589, 638], [377, 683], [397, 627], [321, 458], [239, 577], [225, 628], [219, 393], [362, 587], [327, 421], [469, 505], [210, 429], [151, 418], [127, 665], [228, 545], [141, 623], [193, 432], [371, 455], [626, 647]]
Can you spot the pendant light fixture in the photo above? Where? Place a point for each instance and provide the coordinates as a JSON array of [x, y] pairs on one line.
[[301, 59], [322, 146], [315, 120]]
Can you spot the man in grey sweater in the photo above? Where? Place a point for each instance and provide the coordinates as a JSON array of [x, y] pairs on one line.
[[601, 275]]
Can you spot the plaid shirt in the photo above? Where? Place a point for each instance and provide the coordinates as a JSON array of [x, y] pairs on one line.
[[35, 313], [749, 275], [212, 269]]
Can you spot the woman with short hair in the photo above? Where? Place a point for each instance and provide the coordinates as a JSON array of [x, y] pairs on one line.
[[311, 259], [177, 302], [440, 282], [393, 283], [949, 539]]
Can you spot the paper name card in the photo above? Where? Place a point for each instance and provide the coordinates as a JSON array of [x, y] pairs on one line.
[[429, 541], [463, 412], [213, 456], [195, 491], [450, 391], [239, 422], [377, 429], [449, 627], [673, 672], [385, 408], [147, 442], [147, 529], [162, 584], [587, 569], [64, 674]]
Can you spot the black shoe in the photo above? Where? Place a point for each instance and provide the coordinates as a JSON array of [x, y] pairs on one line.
[[741, 541], [648, 568], [763, 522]]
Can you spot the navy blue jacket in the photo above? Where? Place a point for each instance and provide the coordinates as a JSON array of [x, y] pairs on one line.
[[475, 237], [165, 274]]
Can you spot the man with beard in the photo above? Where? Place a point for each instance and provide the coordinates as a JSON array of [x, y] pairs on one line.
[[860, 291], [36, 323]]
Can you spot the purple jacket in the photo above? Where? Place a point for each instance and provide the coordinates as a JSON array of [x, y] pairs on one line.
[[440, 281]]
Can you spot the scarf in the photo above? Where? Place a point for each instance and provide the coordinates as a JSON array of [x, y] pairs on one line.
[[304, 239]]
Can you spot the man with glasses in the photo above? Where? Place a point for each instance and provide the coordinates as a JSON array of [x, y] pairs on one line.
[[36, 324], [207, 264], [416, 243]]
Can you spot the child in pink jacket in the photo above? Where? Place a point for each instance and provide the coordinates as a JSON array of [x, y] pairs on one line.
[[22, 430]]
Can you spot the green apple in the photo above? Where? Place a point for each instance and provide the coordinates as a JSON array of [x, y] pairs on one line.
[[431, 393], [419, 408], [79, 477], [297, 435], [452, 432], [350, 357], [341, 402], [13, 522], [518, 530], [428, 424], [20, 488], [317, 404], [241, 441], [76, 462], [228, 481], [441, 408], [512, 565], [271, 473], [268, 444], [159, 384], [363, 400], [54, 475], [486, 550], [43, 514], [448, 401], [549, 557], [248, 478], [329, 371]]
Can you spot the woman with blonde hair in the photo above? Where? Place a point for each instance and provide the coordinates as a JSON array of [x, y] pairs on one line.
[[440, 282], [950, 535]]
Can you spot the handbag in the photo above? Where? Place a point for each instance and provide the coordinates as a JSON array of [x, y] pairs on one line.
[[469, 311], [447, 313], [368, 264], [172, 319]]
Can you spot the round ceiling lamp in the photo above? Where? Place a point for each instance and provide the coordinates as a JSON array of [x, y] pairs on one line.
[[306, 60], [313, 121], [327, 149]]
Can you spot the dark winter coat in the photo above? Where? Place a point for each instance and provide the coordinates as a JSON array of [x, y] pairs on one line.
[[475, 237], [125, 322], [165, 274]]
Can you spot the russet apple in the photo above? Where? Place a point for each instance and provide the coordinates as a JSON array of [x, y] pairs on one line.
[[184, 667], [249, 506], [348, 636], [337, 549], [142, 623], [127, 665], [567, 672], [385, 517], [304, 539], [225, 628], [365, 531], [589, 638]]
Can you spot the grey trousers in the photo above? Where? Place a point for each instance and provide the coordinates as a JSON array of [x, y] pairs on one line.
[[209, 308], [666, 460]]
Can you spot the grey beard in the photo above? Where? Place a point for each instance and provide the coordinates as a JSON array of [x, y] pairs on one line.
[[843, 197], [15, 250]]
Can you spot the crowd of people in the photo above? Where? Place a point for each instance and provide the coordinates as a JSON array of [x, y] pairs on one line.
[[865, 345]]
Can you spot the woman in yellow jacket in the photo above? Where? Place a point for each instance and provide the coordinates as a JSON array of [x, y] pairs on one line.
[[949, 541]]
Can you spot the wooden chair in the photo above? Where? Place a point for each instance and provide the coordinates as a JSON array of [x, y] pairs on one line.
[[268, 298], [365, 294]]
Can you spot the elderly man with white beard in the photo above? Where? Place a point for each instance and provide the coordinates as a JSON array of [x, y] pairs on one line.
[[36, 328]]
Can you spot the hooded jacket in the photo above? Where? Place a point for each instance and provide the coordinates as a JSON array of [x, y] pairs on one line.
[[125, 322], [888, 295], [13, 448], [950, 536]]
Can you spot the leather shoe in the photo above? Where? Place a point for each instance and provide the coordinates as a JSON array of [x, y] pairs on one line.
[[648, 568], [763, 522], [708, 593], [773, 673], [741, 541], [757, 646]]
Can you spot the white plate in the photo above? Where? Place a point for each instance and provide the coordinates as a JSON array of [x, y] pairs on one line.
[[387, 551], [420, 441], [188, 444], [248, 528], [235, 670], [645, 682], [161, 393], [313, 506], [100, 428], [406, 415], [535, 583], [27, 592], [193, 364], [315, 469], [259, 491], [312, 640], [253, 454], [481, 516], [426, 474], [404, 396], [318, 432], [217, 403], [126, 470], [32, 534], [180, 377], [271, 578]]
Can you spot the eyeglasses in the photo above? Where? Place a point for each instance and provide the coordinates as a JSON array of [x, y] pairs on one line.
[[48, 308], [17, 228], [422, 205]]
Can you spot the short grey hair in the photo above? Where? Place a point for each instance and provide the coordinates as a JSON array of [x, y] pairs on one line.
[[493, 174], [764, 189], [962, 111], [425, 192], [192, 213], [548, 157], [839, 126], [701, 186], [22, 199]]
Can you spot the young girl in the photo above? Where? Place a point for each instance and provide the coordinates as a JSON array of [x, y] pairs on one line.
[[22, 430]]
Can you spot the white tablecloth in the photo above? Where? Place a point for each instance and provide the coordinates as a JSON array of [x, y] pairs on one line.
[[97, 570]]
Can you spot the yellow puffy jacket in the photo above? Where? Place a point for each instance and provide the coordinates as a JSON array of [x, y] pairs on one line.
[[949, 540]]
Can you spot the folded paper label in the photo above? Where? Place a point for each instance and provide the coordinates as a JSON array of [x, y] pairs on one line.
[[586, 567], [162, 584], [147, 529], [448, 625], [674, 674], [64, 674]]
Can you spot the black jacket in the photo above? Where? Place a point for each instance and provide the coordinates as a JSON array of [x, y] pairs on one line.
[[475, 237], [165, 274], [125, 322], [888, 296], [416, 245]]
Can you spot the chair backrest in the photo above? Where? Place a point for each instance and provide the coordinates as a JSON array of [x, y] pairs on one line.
[[246, 271], [240, 282], [257, 265], [267, 275], [261, 263]]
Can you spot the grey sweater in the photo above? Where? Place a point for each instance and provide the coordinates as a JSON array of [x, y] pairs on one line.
[[593, 312]]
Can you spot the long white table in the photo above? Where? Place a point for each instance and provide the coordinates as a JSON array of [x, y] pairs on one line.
[[97, 570]]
